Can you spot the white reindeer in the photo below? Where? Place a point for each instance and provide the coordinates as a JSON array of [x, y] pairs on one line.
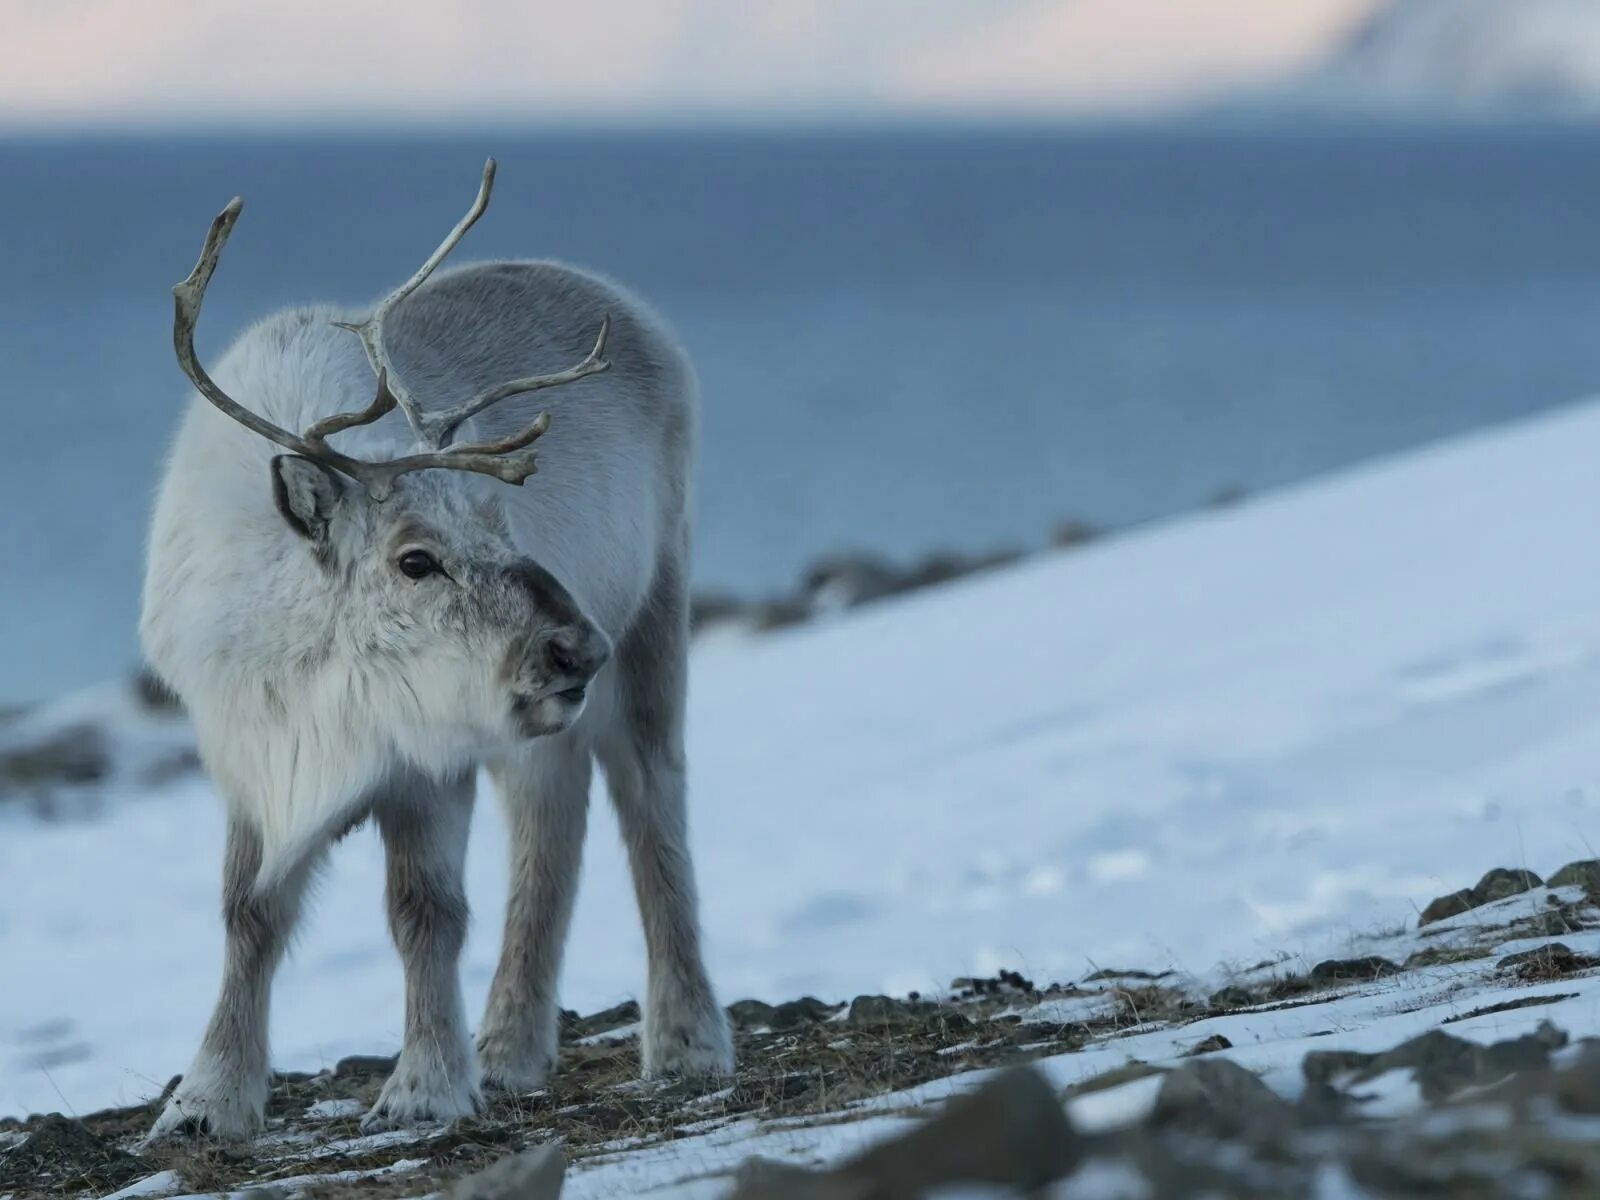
[[356, 625]]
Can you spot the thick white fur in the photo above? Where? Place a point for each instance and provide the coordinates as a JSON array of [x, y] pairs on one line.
[[323, 684]]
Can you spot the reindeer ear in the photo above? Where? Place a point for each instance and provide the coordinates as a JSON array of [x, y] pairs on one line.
[[307, 493]]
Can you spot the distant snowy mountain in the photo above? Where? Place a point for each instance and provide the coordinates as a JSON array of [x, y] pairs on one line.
[[1535, 54]]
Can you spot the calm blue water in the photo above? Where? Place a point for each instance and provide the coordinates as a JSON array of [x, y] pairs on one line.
[[906, 341]]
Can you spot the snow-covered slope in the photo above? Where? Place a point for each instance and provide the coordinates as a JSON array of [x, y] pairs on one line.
[[1474, 52], [1265, 729]]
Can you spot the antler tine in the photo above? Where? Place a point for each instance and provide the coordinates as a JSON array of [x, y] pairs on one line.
[[507, 459], [497, 458], [370, 331], [443, 425], [382, 403], [188, 298]]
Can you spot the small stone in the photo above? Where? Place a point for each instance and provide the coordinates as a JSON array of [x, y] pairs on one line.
[[1584, 873], [766, 1179], [750, 1014], [877, 1010], [1353, 970], [1071, 533], [1218, 1095], [1232, 996], [1577, 1089], [1452, 905], [1109, 974], [1290, 985], [68, 1157], [1128, 1072], [807, 1010], [1552, 923], [1440, 1064], [626, 1013], [1012, 1132], [1327, 1066], [1545, 962], [1505, 881], [364, 1066], [1530, 1052], [535, 1174], [78, 754]]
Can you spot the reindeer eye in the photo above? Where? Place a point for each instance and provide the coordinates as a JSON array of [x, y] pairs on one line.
[[418, 564]]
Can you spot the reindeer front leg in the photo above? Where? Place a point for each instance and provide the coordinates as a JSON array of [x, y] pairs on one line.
[[424, 826], [223, 1094]]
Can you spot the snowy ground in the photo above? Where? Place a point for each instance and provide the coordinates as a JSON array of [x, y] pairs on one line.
[[1272, 729]]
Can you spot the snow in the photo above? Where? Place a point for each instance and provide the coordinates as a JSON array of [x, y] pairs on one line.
[[1278, 728]]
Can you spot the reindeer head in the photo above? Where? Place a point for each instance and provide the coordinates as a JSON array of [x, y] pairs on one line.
[[432, 623]]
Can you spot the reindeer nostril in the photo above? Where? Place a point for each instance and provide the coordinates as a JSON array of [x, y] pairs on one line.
[[562, 658]]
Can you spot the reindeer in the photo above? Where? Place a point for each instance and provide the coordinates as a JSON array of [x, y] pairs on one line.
[[360, 615]]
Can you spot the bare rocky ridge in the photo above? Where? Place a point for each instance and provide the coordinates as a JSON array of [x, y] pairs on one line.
[[1505, 1115]]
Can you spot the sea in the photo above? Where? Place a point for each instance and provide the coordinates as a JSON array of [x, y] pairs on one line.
[[909, 340]]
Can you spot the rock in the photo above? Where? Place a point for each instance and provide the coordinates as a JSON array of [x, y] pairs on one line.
[[1496, 884], [846, 580], [1105, 1081], [750, 1014], [1531, 1052], [535, 1174], [1440, 1064], [78, 754], [1545, 962], [767, 615], [1551, 923], [1011, 1133], [1327, 1066], [1353, 970], [879, 1010], [807, 1010], [764, 1179], [626, 1013], [715, 608], [993, 985], [1584, 873], [1109, 974], [364, 1066], [1505, 881], [1232, 996], [63, 1157], [1222, 1098], [1071, 533], [1289, 986], [1452, 905], [1577, 1088], [1440, 956], [941, 568]]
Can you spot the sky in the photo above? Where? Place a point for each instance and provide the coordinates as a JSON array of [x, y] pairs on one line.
[[175, 62]]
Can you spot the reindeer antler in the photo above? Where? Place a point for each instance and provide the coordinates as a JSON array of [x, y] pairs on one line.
[[507, 459], [435, 429]]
